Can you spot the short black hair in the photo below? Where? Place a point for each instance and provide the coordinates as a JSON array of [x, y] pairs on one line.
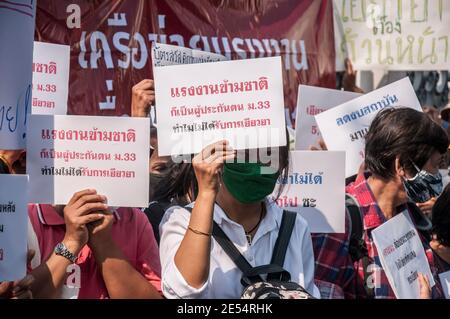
[[404, 132], [441, 217]]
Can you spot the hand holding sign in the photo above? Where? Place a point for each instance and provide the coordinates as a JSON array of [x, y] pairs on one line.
[[100, 231], [20, 289], [425, 289], [143, 97], [349, 79], [322, 146], [208, 165], [81, 210], [403, 257]]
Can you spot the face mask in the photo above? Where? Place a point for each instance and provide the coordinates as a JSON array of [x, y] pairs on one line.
[[246, 183], [423, 186], [155, 180]]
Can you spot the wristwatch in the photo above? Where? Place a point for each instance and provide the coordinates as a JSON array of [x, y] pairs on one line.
[[62, 250]]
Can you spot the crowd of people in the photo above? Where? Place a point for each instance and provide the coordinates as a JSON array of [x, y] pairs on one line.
[[170, 249]]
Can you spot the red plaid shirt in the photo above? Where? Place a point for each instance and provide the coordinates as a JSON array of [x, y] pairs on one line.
[[334, 264], [440, 265]]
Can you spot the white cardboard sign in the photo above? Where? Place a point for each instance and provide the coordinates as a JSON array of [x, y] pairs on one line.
[[199, 104], [67, 154], [315, 188], [13, 227], [51, 66], [343, 128], [16, 57], [402, 256], [311, 101], [166, 54]]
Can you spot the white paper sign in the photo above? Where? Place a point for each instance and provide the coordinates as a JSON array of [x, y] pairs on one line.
[[16, 58], [13, 227], [315, 188], [343, 128], [402, 256], [311, 101], [445, 283], [67, 154], [241, 101], [394, 35], [166, 54], [51, 66]]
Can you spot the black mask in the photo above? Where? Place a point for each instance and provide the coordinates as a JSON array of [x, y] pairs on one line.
[[155, 180], [423, 186]]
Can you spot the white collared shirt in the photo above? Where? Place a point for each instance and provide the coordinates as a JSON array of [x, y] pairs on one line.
[[224, 281]]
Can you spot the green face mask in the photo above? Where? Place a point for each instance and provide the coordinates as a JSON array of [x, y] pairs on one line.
[[246, 183]]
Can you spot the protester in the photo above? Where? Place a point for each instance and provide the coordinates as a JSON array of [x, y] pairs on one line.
[[176, 186], [402, 155], [143, 96], [89, 250], [159, 165], [440, 242], [234, 196], [434, 115], [162, 169]]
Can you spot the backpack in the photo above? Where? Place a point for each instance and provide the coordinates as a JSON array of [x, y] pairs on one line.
[[155, 213], [357, 245], [278, 284]]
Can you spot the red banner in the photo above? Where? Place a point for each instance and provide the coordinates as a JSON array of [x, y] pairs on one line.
[[110, 48]]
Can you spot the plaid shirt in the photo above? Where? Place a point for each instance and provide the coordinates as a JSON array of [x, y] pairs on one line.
[[334, 264], [440, 265]]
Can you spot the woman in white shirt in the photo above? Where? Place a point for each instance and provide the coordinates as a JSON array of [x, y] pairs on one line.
[[234, 195]]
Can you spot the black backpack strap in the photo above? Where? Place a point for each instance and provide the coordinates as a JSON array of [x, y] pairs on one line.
[[236, 256], [155, 213], [281, 245], [249, 277], [357, 245]]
